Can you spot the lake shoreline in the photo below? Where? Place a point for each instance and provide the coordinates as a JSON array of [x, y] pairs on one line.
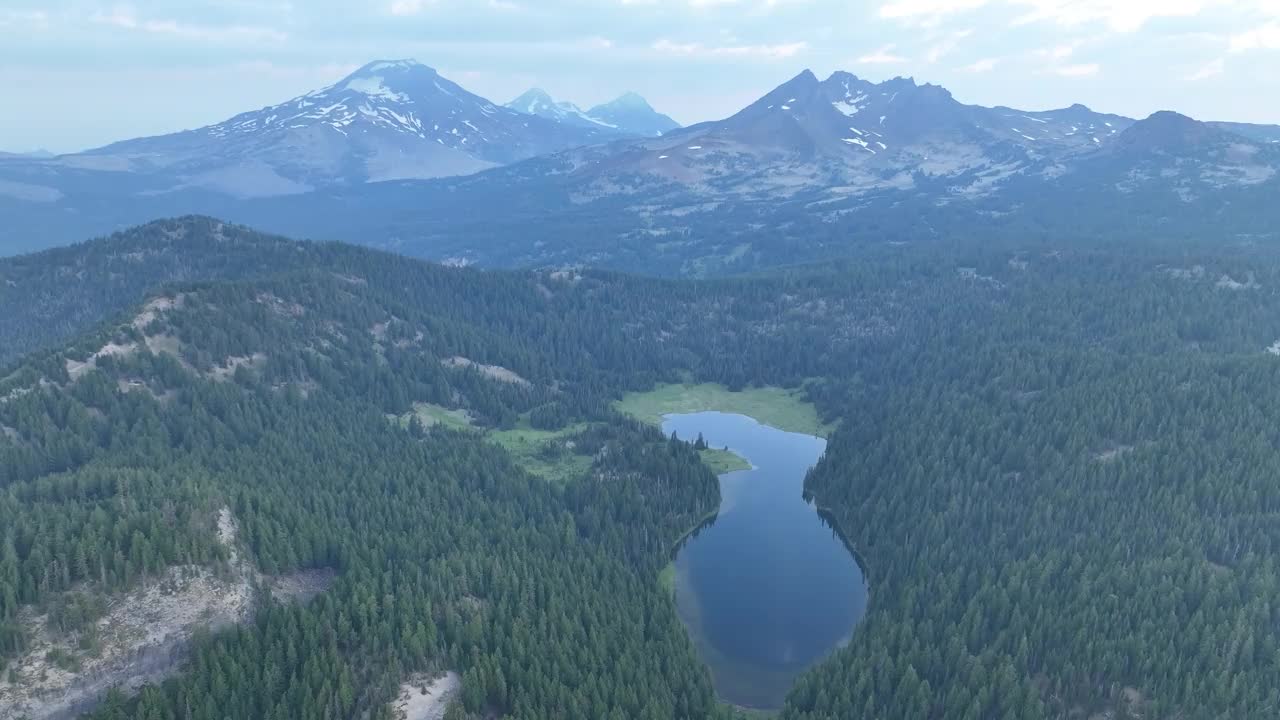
[[770, 560]]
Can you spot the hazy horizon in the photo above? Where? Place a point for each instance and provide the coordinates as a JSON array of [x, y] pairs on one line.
[[155, 67]]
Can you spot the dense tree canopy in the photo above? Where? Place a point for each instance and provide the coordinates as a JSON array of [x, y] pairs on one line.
[[1059, 468]]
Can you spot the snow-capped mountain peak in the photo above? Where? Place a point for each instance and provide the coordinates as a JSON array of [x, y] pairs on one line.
[[630, 114], [390, 119], [540, 103], [633, 114], [395, 95]]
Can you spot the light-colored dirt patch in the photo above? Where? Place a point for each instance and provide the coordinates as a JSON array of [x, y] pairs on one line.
[[1195, 272], [423, 698], [566, 275], [76, 368], [1226, 282], [155, 308], [302, 586], [417, 340], [16, 393], [1113, 453], [497, 372], [280, 306], [143, 637], [135, 385], [229, 366], [145, 634], [970, 273], [351, 279], [1217, 568], [165, 345]]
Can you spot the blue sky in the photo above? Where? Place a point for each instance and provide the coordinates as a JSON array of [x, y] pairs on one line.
[[78, 74]]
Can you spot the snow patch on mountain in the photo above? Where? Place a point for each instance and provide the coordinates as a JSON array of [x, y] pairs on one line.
[[391, 119], [374, 87]]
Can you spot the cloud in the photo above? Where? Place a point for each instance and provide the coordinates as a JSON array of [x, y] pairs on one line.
[[927, 12], [944, 46], [405, 8], [1266, 37], [124, 18], [1122, 16], [1211, 69], [37, 19], [695, 49], [1058, 52], [1080, 70], [982, 66], [882, 56]]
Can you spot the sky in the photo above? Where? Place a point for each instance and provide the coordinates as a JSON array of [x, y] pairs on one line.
[[77, 74]]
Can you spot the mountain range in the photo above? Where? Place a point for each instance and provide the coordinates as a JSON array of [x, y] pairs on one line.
[[629, 114], [389, 120], [396, 156]]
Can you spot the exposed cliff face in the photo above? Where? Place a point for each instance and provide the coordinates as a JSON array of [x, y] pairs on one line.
[[145, 635]]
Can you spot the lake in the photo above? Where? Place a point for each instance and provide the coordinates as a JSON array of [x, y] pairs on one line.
[[768, 587]]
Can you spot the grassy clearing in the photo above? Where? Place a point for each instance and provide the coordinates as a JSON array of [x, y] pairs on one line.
[[752, 713], [430, 415], [544, 453], [667, 579], [724, 461], [541, 452], [773, 406]]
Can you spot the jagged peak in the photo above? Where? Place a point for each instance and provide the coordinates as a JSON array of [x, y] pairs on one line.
[[531, 95], [842, 75], [630, 100], [800, 85], [806, 77]]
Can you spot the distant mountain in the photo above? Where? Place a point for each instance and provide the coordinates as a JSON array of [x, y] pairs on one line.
[[538, 103], [847, 136], [815, 166], [34, 154], [633, 115], [389, 120], [1259, 133], [1173, 156], [630, 114], [809, 168]]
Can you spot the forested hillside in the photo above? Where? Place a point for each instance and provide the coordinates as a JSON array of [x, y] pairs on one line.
[[1058, 467], [54, 295]]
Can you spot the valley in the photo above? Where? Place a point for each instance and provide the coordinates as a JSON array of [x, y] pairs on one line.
[[640, 360], [474, 461]]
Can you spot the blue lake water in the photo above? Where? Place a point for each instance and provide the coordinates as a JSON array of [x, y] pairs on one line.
[[768, 587]]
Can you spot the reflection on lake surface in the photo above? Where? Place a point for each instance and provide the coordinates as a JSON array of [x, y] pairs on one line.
[[767, 588]]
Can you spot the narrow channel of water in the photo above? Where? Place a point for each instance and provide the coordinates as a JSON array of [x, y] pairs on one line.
[[767, 588]]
